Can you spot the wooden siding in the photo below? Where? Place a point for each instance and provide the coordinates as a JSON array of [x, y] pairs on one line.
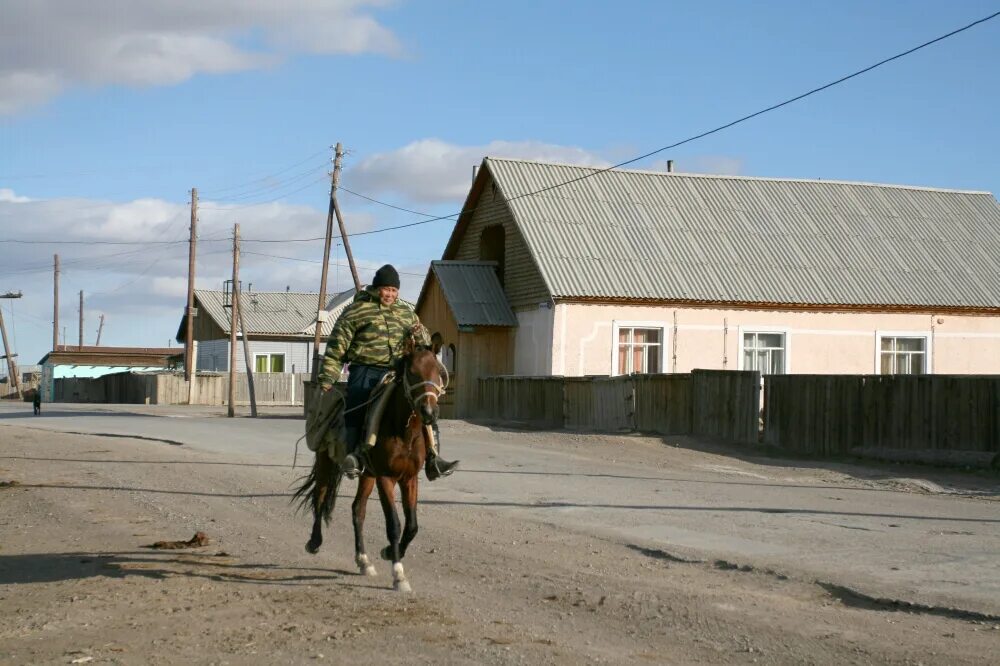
[[715, 404], [437, 318], [522, 280], [838, 414], [484, 353]]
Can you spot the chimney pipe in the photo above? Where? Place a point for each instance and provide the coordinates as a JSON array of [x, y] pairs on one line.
[[670, 166]]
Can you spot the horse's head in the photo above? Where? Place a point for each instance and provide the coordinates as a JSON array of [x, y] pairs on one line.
[[424, 381]]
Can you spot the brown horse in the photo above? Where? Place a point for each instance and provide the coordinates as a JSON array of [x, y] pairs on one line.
[[404, 434]]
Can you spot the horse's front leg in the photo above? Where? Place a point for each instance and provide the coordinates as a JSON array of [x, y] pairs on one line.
[[408, 489], [387, 495], [365, 485]]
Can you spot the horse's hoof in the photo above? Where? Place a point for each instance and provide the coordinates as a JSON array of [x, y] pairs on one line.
[[386, 554], [312, 548], [365, 567], [399, 582]]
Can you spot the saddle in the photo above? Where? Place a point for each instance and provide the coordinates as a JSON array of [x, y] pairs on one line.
[[379, 398]]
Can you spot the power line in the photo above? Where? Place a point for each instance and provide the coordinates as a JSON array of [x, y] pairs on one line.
[[248, 183], [271, 187], [591, 174], [702, 135], [383, 203], [314, 261], [264, 203]]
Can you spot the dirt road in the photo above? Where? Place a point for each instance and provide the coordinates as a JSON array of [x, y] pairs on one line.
[[541, 584]]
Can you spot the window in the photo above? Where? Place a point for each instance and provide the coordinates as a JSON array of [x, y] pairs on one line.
[[492, 247], [765, 352], [902, 354], [269, 363], [639, 350]]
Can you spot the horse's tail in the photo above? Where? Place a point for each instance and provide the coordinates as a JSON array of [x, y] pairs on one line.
[[318, 491]]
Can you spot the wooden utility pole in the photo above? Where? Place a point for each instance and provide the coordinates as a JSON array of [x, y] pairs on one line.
[[246, 358], [55, 306], [81, 319], [234, 307], [100, 329], [340, 218], [334, 209], [190, 367], [8, 353], [321, 312]]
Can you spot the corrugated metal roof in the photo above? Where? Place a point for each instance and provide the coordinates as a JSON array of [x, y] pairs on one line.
[[274, 312], [655, 235], [474, 293]]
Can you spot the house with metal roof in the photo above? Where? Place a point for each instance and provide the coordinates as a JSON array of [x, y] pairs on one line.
[[280, 328], [624, 271]]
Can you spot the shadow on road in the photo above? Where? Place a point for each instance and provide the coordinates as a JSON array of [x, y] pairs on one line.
[[57, 567], [146, 462]]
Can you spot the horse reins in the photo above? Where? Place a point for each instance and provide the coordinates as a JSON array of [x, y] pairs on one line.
[[437, 392]]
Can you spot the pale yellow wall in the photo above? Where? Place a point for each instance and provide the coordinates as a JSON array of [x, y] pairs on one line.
[[821, 343]]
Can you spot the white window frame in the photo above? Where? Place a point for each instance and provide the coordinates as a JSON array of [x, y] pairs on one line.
[[268, 355], [927, 337], [785, 332], [662, 326]]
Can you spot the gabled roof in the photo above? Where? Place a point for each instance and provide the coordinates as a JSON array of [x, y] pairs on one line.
[[274, 314], [655, 236], [271, 313], [473, 293]]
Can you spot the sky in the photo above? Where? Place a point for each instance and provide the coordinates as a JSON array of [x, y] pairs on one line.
[[112, 110]]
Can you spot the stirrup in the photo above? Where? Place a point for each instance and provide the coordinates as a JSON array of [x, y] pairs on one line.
[[436, 468], [353, 471]]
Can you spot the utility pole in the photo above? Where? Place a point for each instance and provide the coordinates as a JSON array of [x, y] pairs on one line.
[[55, 306], [81, 319], [334, 209], [100, 328], [8, 353], [246, 358], [340, 218], [234, 307], [190, 369]]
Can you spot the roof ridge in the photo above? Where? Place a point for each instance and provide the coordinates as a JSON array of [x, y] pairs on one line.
[[675, 174]]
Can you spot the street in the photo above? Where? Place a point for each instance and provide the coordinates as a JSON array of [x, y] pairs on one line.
[[543, 548]]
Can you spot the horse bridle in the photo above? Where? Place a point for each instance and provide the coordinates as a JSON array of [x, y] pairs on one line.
[[437, 390]]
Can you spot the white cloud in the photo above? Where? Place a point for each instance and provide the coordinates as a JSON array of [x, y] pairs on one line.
[[8, 195], [142, 288], [47, 45], [431, 170]]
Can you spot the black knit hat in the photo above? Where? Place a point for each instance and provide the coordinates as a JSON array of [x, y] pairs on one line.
[[386, 277]]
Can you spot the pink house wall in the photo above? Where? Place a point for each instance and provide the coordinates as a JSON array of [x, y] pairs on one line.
[[817, 342]]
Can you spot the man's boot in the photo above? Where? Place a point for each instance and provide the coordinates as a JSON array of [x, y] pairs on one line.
[[352, 465], [435, 467]]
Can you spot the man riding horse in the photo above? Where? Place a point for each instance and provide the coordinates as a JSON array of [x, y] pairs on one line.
[[370, 335]]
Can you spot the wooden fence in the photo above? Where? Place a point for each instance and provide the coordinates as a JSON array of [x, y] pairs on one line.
[[171, 389], [717, 404], [833, 415]]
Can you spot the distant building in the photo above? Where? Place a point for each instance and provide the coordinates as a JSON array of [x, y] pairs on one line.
[[651, 272], [74, 361], [280, 325]]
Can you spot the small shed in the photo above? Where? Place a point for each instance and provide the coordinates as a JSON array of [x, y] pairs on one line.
[[463, 302], [73, 361]]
